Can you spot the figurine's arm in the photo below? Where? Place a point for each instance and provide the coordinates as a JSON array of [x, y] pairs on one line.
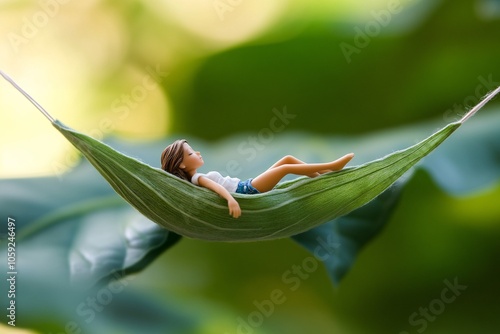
[[234, 207]]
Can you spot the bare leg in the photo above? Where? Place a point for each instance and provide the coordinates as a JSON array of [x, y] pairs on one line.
[[267, 180], [290, 159]]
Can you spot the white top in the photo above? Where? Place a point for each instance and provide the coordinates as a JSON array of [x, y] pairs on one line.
[[230, 183]]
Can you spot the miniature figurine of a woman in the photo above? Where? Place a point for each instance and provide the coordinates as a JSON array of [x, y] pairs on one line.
[[182, 161]]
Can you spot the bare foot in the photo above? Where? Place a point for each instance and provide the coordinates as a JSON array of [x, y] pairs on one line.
[[340, 163], [337, 165]]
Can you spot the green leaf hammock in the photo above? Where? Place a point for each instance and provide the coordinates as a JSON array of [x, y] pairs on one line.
[[291, 208]]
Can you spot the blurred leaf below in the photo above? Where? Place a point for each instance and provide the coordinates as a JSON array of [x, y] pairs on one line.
[[78, 227]]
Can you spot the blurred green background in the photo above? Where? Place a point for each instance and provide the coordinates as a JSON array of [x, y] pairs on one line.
[[208, 70]]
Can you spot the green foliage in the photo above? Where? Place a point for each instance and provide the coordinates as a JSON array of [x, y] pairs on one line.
[[293, 207], [434, 60], [395, 78], [78, 229]]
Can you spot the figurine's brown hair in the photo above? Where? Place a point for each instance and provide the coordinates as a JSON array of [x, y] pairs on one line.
[[172, 157]]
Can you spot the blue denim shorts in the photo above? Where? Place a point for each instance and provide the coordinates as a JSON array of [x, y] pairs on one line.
[[245, 187]]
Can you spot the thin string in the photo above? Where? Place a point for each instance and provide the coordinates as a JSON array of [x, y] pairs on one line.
[[480, 105], [32, 100]]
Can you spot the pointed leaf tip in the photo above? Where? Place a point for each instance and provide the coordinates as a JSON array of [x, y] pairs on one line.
[[481, 104]]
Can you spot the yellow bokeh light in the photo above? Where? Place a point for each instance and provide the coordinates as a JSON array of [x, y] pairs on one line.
[[59, 52], [80, 60], [221, 23], [13, 330]]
